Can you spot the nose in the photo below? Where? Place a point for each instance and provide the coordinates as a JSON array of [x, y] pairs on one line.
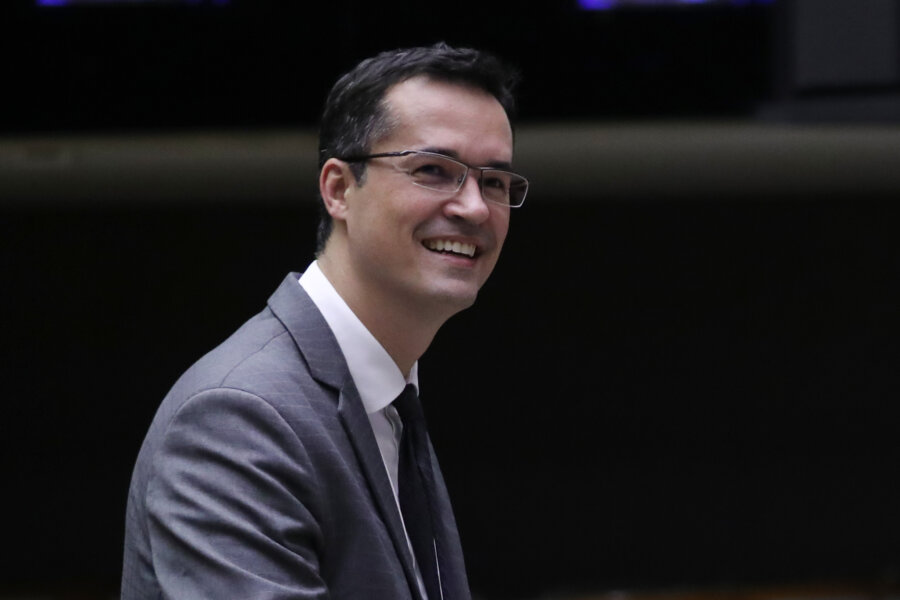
[[468, 203]]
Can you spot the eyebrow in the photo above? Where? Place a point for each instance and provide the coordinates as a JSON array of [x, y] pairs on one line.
[[497, 164]]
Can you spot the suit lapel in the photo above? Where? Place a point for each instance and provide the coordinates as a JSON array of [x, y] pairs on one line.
[[293, 307], [359, 430]]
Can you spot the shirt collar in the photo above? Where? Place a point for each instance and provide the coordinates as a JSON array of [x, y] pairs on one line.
[[376, 375]]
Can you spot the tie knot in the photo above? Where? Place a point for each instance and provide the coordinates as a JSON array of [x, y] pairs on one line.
[[408, 407]]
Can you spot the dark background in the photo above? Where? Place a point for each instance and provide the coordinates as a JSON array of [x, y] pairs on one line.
[[651, 393], [270, 63]]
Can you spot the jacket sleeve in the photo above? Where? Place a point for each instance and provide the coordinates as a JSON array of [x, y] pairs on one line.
[[232, 504]]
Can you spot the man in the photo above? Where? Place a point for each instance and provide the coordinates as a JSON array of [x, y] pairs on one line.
[[279, 465]]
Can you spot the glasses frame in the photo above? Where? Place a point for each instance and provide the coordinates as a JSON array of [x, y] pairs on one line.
[[462, 180]]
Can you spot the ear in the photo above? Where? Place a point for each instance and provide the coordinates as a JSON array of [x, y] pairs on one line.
[[335, 180]]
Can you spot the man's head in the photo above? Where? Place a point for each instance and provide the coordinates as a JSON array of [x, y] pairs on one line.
[[355, 115], [415, 196]]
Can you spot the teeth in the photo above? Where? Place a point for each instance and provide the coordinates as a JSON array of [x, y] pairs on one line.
[[448, 246]]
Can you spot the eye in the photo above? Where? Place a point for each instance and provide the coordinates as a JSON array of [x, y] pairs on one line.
[[495, 182], [431, 171], [435, 173]]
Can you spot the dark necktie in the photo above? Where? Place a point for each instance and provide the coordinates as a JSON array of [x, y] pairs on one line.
[[416, 488]]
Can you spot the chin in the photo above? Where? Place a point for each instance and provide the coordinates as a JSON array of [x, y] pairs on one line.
[[454, 301]]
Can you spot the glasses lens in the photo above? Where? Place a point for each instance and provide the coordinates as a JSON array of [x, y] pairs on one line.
[[444, 174], [434, 171], [503, 187]]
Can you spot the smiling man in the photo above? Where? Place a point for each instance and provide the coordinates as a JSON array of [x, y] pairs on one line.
[[292, 461], [406, 257]]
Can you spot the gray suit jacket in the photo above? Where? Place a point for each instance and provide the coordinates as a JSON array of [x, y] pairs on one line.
[[260, 478]]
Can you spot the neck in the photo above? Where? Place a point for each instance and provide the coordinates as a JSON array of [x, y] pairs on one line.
[[405, 331]]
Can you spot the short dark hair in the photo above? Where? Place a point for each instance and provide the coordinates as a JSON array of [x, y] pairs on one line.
[[355, 116]]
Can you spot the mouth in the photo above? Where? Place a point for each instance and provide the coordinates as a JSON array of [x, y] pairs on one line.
[[451, 247]]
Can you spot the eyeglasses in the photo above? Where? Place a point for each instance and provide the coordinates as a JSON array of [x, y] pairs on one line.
[[441, 173]]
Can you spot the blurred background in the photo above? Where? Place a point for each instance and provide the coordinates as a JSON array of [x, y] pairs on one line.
[[681, 380]]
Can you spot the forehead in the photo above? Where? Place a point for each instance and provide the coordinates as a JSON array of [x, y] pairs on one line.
[[428, 113]]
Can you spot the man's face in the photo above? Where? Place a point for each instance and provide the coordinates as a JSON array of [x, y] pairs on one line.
[[393, 226]]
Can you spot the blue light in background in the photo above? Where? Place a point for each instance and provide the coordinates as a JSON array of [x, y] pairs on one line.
[[613, 4], [597, 4]]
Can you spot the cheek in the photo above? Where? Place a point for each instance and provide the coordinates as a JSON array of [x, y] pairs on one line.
[[369, 220], [384, 231]]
